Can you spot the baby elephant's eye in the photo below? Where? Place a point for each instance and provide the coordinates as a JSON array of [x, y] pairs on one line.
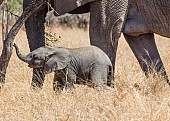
[[35, 57]]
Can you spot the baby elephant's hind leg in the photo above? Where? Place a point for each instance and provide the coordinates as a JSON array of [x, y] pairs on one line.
[[98, 76]]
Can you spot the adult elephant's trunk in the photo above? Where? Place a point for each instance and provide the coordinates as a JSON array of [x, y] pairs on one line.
[[20, 56]]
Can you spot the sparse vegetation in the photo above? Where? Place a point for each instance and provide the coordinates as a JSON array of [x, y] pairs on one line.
[[15, 6]]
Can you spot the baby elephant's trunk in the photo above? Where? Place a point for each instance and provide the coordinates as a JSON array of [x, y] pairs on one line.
[[20, 56]]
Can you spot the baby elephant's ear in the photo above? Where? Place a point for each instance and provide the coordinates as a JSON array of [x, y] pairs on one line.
[[57, 61]]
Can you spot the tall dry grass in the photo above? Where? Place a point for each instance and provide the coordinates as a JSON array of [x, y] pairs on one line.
[[134, 98]]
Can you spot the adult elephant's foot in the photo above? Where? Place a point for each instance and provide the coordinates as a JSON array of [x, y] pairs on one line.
[[2, 77], [2, 80]]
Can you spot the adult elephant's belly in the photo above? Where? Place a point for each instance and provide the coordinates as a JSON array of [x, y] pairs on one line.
[[65, 6], [148, 16]]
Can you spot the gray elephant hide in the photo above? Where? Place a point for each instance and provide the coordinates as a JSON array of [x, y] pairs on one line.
[[89, 64], [65, 6]]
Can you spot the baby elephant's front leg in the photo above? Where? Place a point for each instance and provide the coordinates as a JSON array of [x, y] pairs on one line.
[[59, 81], [70, 79]]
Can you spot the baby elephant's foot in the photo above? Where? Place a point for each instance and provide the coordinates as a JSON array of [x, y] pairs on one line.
[[58, 88], [70, 87], [105, 87], [101, 85]]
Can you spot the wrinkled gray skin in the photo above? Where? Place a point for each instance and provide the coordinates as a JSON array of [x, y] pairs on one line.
[[71, 66], [137, 19]]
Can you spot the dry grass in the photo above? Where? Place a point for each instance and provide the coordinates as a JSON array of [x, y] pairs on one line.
[[135, 98]]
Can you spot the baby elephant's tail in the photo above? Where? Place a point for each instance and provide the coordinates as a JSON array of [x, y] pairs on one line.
[[110, 78]]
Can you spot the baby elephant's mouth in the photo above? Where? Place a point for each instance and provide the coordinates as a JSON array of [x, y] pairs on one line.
[[31, 66], [34, 66]]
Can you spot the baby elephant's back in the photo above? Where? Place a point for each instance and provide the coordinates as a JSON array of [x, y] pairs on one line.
[[91, 55]]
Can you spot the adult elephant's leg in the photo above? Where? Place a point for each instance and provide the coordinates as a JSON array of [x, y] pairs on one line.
[[35, 34], [106, 22], [145, 50]]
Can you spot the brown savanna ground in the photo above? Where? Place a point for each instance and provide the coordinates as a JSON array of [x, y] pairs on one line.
[[148, 101]]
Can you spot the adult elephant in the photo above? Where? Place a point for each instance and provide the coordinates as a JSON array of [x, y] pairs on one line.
[[107, 18]]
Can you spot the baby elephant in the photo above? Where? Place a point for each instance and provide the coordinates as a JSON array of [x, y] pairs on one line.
[[72, 65]]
